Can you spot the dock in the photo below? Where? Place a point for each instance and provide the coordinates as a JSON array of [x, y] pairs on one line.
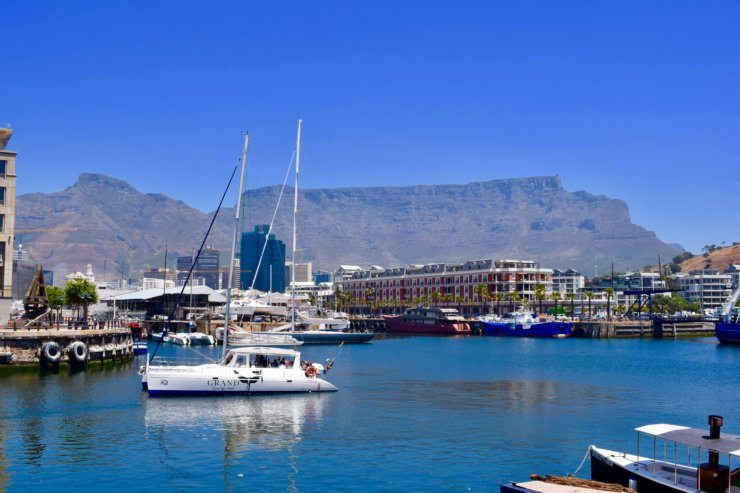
[[24, 346]]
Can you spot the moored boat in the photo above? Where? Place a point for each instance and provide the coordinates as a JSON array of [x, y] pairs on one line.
[[727, 329], [727, 332], [670, 474], [521, 324], [250, 370], [429, 320]]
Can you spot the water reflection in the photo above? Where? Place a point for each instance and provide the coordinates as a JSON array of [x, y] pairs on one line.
[[269, 423]]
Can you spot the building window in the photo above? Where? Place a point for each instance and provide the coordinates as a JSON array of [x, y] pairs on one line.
[[2, 195], [3, 165], [2, 223]]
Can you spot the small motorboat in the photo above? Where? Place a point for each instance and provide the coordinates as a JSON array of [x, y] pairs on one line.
[[200, 339], [670, 474], [250, 370], [178, 338], [140, 347]]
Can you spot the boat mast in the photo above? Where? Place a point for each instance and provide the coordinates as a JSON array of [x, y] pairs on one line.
[[295, 213], [227, 313]]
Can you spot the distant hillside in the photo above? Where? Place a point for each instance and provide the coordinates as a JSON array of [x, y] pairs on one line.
[[718, 259], [101, 218]]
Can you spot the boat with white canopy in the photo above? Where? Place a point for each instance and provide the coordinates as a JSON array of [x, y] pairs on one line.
[[674, 463]]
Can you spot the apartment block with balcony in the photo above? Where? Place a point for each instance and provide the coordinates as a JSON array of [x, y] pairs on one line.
[[709, 288], [402, 285]]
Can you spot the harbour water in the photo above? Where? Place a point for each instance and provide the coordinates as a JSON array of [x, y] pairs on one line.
[[412, 413]]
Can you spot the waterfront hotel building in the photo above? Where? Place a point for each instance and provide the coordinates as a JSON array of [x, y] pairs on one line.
[[399, 286]]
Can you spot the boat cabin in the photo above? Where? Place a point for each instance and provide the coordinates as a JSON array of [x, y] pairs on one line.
[[262, 357], [432, 313], [678, 459]]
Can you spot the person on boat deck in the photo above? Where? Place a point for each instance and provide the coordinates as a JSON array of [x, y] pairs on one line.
[[274, 363], [241, 361]]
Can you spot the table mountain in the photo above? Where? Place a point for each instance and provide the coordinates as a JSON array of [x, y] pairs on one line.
[[101, 218]]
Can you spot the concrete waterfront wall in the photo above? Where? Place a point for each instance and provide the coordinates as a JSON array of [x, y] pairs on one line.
[[640, 328], [23, 347]]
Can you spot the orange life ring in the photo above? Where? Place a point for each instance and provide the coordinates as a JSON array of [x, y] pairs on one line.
[[311, 371]]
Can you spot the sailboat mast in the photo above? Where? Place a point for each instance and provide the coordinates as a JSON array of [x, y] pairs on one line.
[[295, 213], [227, 313]]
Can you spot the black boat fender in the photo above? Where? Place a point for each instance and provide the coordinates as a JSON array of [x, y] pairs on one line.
[[51, 353], [78, 354]]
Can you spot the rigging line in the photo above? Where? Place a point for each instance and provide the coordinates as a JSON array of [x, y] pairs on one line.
[[274, 215], [190, 272]]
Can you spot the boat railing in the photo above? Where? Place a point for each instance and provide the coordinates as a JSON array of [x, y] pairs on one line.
[[161, 362]]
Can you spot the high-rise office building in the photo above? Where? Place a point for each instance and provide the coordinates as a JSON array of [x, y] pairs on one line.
[[271, 275]]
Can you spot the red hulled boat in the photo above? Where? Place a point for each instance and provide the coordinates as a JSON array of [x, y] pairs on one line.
[[429, 320]]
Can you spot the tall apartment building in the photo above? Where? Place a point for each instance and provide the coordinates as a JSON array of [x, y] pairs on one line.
[[7, 214], [568, 281], [709, 288], [405, 284], [271, 275]]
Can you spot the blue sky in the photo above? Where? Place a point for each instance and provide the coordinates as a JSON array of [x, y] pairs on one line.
[[634, 100]]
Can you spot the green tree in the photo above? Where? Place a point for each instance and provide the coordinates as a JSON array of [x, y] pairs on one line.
[[556, 297], [80, 293], [482, 291], [435, 297], [539, 294], [609, 293], [589, 295], [572, 298], [55, 297], [513, 297], [312, 299], [370, 297], [499, 298]]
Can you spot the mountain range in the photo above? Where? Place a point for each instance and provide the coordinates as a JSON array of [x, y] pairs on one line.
[[106, 222]]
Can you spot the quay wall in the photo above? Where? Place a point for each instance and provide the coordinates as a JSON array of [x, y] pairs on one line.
[[598, 329], [23, 347]]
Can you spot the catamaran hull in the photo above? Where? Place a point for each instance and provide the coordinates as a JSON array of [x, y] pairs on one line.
[[539, 330], [175, 383], [727, 333]]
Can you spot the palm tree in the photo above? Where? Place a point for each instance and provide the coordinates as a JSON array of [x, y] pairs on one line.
[[370, 297], [556, 296], [435, 297], [572, 298], [482, 291], [609, 292], [589, 295], [539, 294], [513, 297], [448, 298], [499, 298]]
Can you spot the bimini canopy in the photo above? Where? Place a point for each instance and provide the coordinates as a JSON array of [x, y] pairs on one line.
[[693, 437], [267, 351]]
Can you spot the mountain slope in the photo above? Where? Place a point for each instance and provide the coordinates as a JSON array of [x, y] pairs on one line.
[[102, 218]]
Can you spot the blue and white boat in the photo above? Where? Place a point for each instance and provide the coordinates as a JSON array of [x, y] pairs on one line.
[[727, 329], [522, 324]]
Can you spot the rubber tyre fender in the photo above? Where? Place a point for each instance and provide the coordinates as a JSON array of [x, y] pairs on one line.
[[51, 353]]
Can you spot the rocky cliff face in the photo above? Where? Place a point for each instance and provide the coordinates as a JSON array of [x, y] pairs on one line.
[[536, 218]]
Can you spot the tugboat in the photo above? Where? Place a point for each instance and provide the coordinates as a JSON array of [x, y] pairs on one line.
[[429, 320], [521, 324], [667, 475], [727, 329]]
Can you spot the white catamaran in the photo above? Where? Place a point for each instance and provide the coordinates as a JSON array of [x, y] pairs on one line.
[[247, 370]]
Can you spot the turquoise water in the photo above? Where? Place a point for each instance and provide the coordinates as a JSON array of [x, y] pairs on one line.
[[415, 413]]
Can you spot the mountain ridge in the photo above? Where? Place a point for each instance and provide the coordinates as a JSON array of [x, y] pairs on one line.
[[102, 220]]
